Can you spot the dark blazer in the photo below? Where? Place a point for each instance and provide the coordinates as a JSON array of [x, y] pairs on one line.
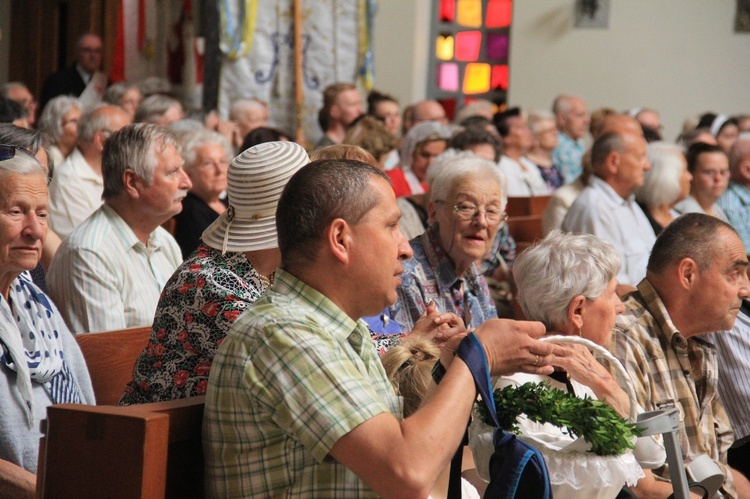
[[65, 82]]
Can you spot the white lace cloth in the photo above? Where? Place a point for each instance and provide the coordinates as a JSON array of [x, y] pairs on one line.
[[573, 471]]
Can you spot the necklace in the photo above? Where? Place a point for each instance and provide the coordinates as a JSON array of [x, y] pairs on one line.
[[266, 281]]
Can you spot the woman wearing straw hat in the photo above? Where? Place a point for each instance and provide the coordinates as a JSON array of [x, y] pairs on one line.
[[228, 272]]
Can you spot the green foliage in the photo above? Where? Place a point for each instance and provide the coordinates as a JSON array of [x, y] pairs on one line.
[[585, 417]]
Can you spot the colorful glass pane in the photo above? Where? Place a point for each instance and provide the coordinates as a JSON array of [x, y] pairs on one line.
[[448, 76], [447, 11], [497, 46], [499, 13], [477, 78], [450, 107], [469, 13], [468, 44], [444, 47], [500, 77]]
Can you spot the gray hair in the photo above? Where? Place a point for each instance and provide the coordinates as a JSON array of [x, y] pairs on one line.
[[114, 92], [7, 87], [662, 183], [23, 163], [200, 137], [153, 106], [30, 139], [93, 121], [419, 135], [740, 149], [451, 167], [135, 147], [539, 116], [50, 121], [241, 106], [563, 103], [552, 272]]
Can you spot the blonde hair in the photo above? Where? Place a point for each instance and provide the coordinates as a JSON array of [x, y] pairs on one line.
[[409, 366], [343, 151]]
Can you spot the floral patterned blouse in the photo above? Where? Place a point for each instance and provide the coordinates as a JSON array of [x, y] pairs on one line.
[[197, 307]]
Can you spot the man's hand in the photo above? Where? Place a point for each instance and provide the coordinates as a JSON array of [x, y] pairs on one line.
[[512, 346]]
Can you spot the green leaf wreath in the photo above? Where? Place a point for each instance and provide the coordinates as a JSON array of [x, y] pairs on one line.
[[595, 421]]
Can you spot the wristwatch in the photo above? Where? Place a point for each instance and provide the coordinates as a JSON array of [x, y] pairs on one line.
[[438, 371]]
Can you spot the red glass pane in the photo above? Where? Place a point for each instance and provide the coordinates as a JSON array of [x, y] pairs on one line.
[[447, 11], [468, 44], [450, 107], [499, 13], [497, 46], [500, 77]]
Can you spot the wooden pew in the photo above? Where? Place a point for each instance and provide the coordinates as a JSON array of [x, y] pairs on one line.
[[520, 206], [110, 357], [145, 451]]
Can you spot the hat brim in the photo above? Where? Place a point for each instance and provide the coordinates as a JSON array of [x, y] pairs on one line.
[[241, 235]]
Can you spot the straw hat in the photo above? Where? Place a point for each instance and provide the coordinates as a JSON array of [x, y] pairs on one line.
[[255, 180]]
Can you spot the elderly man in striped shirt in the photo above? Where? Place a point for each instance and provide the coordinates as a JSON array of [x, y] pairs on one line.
[[109, 272]]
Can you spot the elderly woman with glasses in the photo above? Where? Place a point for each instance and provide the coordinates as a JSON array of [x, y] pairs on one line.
[[567, 282], [40, 362], [466, 209]]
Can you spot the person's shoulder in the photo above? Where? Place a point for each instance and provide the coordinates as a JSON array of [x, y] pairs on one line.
[[91, 234]]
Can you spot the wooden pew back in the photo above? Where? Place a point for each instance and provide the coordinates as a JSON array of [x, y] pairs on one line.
[[110, 357], [145, 451]]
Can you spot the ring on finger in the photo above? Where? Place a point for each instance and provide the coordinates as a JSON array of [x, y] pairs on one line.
[[536, 361]]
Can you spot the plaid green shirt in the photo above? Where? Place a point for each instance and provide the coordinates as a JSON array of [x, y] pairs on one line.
[[668, 369], [292, 377]]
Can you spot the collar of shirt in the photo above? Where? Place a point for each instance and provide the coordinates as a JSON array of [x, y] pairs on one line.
[[610, 195], [338, 324], [661, 315], [445, 271], [125, 234], [86, 77], [580, 144]]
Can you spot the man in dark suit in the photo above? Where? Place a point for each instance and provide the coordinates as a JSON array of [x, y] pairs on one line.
[[73, 80]]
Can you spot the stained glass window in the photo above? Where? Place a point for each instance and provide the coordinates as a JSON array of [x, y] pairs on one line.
[[472, 44]]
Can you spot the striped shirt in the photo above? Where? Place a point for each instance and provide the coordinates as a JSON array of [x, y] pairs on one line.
[[736, 204], [104, 278], [292, 376], [734, 371], [669, 370]]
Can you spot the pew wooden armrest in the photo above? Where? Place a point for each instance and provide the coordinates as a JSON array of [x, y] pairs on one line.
[[143, 451], [520, 206]]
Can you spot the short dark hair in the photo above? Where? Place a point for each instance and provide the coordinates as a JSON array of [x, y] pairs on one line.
[[472, 136], [375, 97], [317, 194], [693, 235], [695, 150], [262, 135], [501, 120], [11, 110], [604, 146]]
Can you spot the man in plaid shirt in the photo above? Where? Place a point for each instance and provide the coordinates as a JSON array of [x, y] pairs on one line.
[[694, 285]]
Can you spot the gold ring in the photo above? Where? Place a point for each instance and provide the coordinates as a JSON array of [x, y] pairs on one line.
[[536, 361]]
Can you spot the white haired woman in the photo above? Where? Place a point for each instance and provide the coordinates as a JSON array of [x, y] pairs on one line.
[[567, 282], [59, 120], [665, 185], [466, 209], [40, 362], [206, 155]]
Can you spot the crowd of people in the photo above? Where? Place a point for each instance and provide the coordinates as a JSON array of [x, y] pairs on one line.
[[316, 296]]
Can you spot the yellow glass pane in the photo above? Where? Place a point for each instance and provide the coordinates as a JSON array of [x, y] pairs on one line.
[[469, 13], [444, 47], [476, 78]]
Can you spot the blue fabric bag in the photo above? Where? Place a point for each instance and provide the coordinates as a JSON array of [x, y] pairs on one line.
[[517, 470]]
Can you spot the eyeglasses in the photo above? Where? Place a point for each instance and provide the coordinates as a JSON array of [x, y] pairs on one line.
[[8, 151], [470, 211]]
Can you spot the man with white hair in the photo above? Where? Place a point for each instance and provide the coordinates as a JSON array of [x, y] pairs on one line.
[[76, 188], [109, 272], [248, 114], [572, 117], [736, 199]]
